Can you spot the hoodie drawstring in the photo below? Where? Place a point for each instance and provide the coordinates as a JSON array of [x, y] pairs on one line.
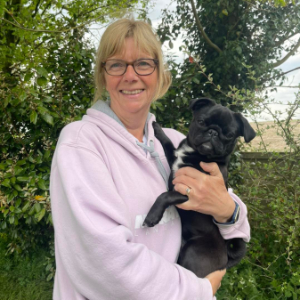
[[154, 154]]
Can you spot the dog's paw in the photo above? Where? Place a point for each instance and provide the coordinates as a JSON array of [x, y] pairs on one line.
[[151, 221], [157, 128]]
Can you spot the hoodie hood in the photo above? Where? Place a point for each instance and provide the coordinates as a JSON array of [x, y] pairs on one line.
[[102, 115]]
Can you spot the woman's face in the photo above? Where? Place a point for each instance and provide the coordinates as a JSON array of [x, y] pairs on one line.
[[131, 93]]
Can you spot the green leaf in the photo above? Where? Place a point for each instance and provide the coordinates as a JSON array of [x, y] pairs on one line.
[[11, 219], [42, 71], [49, 266], [47, 154], [21, 162], [225, 12], [23, 179], [37, 207], [3, 226], [41, 184], [18, 202], [239, 50], [50, 276], [50, 219], [28, 77], [41, 81], [17, 188], [33, 117], [40, 215], [196, 80], [26, 206], [32, 210], [42, 110], [6, 182], [48, 118], [6, 101], [47, 99], [23, 96]]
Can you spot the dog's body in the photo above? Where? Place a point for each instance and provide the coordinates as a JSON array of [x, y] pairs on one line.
[[212, 137]]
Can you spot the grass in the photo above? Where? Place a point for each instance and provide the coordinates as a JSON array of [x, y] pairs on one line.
[[24, 278]]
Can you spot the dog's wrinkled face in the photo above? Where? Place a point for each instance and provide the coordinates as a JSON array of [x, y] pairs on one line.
[[214, 129]]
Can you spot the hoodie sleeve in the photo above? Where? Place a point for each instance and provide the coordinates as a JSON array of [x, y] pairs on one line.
[[241, 229], [93, 239]]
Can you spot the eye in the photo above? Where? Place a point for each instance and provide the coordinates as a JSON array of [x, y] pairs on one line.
[[230, 135], [144, 64], [115, 65], [201, 122]]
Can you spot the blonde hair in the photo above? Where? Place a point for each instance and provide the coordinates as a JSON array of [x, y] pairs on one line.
[[112, 43]]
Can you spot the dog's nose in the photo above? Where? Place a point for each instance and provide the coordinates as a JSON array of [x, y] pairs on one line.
[[212, 132]]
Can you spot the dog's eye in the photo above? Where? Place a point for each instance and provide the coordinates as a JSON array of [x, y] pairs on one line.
[[230, 135], [200, 122]]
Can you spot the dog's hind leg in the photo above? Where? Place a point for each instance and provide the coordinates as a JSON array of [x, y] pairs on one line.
[[236, 250]]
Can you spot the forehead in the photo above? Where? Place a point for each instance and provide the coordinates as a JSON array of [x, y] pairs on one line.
[[217, 114], [130, 51]]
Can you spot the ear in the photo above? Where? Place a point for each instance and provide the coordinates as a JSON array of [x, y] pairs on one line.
[[246, 130], [196, 104]]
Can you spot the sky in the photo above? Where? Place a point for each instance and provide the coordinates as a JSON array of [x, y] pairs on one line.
[[283, 94]]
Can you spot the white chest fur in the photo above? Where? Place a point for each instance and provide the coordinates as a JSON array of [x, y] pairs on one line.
[[180, 154]]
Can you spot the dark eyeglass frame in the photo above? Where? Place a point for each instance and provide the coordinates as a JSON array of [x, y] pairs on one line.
[[132, 64]]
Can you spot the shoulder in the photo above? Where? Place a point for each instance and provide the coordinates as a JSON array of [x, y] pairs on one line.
[[78, 132], [175, 136]]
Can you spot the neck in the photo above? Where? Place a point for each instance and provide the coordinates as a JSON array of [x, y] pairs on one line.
[[134, 123]]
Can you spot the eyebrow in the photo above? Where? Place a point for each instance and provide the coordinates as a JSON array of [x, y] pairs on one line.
[[112, 58]]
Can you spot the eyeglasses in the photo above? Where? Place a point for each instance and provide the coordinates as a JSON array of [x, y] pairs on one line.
[[142, 67]]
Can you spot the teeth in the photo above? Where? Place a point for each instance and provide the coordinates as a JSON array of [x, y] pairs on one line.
[[131, 92]]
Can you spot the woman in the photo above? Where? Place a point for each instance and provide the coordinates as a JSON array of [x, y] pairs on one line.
[[107, 171]]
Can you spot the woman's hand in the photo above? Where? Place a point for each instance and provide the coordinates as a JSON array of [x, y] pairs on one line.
[[215, 279], [208, 193]]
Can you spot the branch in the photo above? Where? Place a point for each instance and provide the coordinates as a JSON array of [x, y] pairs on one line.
[[46, 7], [284, 59], [198, 23], [281, 74], [88, 12], [36, 9], [278, 43], [283, 86], [34, 30]]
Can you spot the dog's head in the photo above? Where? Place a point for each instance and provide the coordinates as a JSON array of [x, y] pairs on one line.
[[214, 129]]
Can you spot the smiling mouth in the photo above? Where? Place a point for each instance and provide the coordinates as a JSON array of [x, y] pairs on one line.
[[131, 92]]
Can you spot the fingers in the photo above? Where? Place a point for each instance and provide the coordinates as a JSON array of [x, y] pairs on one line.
[[188, 171], [215, 279], [211, 168], [183, 189]]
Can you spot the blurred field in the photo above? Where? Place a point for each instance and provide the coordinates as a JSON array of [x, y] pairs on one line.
[[272, 137]]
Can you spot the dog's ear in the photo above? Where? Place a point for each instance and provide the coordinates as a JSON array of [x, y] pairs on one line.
[[246, 130], [196, 104]]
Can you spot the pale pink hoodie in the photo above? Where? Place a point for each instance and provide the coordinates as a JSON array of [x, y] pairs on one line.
[[102, 186]]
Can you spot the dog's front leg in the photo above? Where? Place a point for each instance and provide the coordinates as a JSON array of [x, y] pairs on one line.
[[166, 143], [161, 204]]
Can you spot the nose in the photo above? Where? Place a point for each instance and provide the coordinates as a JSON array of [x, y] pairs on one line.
[[212, 132], [130, 74]]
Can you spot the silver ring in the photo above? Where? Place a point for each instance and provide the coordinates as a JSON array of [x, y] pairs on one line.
[[188, 190]]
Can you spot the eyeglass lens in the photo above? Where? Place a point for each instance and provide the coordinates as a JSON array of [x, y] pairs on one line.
[[141, 66]]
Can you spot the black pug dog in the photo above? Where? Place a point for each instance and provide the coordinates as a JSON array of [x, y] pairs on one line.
[[212, 137]]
